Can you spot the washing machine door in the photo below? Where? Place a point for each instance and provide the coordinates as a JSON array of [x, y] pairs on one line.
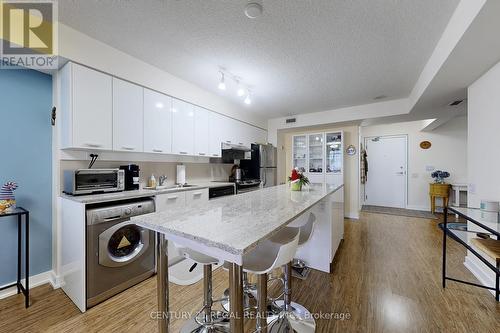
[[122, 244]]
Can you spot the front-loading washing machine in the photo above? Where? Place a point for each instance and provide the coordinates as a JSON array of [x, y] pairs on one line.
[[119, 253]]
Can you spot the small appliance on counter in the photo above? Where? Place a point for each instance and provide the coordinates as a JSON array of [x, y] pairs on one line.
[[93, 181], [132, 176]]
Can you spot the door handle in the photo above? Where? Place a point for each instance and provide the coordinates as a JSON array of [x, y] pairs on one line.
[[128, 147], [157, 150], [400, 173], [93, 144]]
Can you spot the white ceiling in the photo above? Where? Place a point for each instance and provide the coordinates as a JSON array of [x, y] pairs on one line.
[[300, 56]]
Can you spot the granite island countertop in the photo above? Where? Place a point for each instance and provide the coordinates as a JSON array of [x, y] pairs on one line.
[[236, 224]]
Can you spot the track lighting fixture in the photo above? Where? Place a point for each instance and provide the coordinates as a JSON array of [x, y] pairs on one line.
[[222, 83]]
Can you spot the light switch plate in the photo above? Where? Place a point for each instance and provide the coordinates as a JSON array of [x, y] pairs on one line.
[[472, 188], [429, 168]]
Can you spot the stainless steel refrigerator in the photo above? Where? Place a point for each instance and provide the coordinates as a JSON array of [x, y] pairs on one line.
[[262, 165]]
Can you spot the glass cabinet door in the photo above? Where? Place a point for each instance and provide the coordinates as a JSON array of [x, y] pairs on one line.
[[315, 153], [299, 152], [334, 159]]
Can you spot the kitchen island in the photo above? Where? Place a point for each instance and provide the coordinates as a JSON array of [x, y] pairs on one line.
[[230, 227]]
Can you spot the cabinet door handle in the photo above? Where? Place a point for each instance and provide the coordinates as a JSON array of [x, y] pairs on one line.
[[172, 198], [197, 193], [128, 148], [240, 143], [228, 141], [201, 154], [215, 155], [183, 152], [93, 144], [158, 150]]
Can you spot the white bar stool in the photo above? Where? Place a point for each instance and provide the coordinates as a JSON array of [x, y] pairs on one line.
[[206, 320], [293, 316], [306, 225], [271, 254]]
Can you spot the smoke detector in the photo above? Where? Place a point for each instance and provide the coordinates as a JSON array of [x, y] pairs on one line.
[[253, 10]]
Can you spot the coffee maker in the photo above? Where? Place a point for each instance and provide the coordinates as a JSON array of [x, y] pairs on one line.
[[132, 180]]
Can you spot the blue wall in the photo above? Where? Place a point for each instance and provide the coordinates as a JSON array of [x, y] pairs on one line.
[[26, 158]]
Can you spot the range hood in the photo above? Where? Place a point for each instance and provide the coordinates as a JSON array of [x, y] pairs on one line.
[[232, 152]]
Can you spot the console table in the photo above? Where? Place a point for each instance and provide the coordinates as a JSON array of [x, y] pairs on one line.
[[489, 224], [439, 190], [20, 212]]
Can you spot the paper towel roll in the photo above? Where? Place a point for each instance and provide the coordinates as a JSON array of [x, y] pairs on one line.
[[181, 174]]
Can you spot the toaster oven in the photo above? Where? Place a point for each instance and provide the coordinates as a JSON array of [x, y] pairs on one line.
[[93, 181]]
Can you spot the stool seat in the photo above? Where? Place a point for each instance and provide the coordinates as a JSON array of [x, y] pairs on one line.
[[489, 246]]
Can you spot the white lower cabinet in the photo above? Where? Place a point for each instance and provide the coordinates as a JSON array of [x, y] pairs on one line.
[[170, 200], [196, 197]]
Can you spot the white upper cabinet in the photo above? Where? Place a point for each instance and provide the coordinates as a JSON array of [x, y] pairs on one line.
[[215, 133], [157, 122], [182, 127], [87, 109], [201, 134], [128, 116]]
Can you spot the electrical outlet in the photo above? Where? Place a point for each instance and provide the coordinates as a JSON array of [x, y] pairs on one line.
[[414, 175], [472, 188], [429, 168]]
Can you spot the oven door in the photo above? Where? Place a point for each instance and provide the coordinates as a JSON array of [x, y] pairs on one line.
[[246, 189]]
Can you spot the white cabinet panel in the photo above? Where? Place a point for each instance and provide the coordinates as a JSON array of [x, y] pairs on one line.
[[90, 108], [157, 122], [201, 133], [183, 127], [196, 197], [167, 201], [215, 132], [128, 116]]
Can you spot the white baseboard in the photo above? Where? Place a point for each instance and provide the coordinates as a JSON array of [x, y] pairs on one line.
[[352, 215], [479, 273], [35, 281], [422, 208]]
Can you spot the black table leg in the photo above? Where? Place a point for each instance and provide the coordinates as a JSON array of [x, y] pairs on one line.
[[27, 259], [19, 230]]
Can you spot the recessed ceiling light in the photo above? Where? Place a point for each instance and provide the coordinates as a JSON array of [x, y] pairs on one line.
[[253, 10]]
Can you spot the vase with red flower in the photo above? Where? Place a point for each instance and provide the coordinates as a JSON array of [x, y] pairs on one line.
[[297, 179]]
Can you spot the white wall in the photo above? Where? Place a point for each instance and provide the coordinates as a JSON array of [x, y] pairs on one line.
[[448, 152], [482, 157], [351, 163], [484, 138]]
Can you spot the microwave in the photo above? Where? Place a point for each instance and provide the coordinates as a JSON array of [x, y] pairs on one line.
[[93, 181]]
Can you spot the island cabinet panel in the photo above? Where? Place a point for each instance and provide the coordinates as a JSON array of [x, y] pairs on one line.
[[197, 197], [128, 116], [182, 128], [157, 122], [86, 108]]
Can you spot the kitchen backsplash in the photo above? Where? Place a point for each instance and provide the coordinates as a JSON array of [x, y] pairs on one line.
[[194, 171]]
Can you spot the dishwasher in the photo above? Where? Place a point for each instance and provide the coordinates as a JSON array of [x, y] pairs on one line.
[[120, 254]]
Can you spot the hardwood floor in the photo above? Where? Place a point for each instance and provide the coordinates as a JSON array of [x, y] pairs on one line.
[[387, 278]]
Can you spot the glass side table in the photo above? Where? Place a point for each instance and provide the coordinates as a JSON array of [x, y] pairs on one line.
[[20, 212]]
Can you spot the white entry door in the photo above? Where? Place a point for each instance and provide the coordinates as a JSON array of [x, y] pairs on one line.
[[386, 183]]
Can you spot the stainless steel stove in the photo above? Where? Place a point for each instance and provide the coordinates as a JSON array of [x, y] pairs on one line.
[[248, 185]]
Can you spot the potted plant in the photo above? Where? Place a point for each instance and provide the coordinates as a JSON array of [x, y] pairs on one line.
[[439, 176], [297, 179]]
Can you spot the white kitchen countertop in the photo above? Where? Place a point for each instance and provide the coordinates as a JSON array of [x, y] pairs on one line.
[[115, 196], [236, 224]]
